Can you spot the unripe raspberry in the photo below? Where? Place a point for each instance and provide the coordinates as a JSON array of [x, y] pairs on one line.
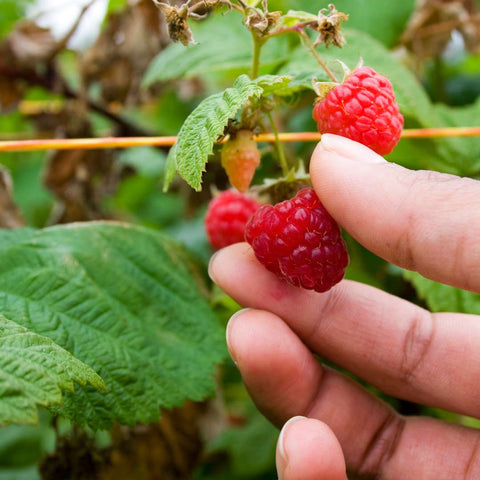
[[226, 217], [299, 241], [362, 108], [240, 157]]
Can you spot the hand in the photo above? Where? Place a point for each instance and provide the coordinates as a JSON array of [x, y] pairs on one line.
[[422, 221]]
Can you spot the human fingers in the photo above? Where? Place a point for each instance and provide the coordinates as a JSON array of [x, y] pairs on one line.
[[307, 449], [392, 344], [285, 380], [420, 220]]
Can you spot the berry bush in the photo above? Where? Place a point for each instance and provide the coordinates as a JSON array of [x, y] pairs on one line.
[[113, 361]]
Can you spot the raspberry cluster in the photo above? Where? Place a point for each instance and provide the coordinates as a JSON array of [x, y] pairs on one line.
[[299, 241]]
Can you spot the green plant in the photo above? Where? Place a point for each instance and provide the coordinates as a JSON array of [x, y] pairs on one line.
[[111, 333]]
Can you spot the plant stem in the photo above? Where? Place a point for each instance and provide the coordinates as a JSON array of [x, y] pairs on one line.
[[311, 47], [257, 48], [278, 144]]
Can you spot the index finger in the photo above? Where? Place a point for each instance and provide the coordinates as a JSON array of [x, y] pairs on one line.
[[420, 220]]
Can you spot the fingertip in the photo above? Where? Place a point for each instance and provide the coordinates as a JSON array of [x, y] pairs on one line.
[[308, 449], [346, 148], [221, 260]]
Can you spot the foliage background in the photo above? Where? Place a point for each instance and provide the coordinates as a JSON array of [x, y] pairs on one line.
[[132, 81]]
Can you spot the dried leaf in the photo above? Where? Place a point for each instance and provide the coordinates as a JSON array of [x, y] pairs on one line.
[[431, 26], [80, 179], [123, 51], [10, 94], [29, 45], [10, 216]]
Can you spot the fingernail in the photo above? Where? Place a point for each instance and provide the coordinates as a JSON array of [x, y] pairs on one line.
[[349, 149], [281, 438], [210, 266], [228, 330]]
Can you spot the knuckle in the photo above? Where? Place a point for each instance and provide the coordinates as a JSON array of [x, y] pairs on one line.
[[381, 448], [416, 345]]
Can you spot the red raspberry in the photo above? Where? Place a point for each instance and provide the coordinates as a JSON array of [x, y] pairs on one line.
[[299, 241], [240, 157], [362, 108], [227, 216]]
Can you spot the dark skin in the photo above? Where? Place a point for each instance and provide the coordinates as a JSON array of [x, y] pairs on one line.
[[422, 221]]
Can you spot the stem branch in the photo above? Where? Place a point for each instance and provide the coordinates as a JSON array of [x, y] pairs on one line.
[[257, 48], [279, 146], [308, 43]]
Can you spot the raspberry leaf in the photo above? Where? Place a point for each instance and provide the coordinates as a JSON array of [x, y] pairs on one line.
[[122, 299], [34, 371], [443, 298], [205, 124]]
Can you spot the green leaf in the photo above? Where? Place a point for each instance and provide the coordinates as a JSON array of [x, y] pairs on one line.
[[279, 85], [122, 299], [463, 152], [205, 124], [224, 45], [33, 372], [251, 447], [170, 168], [292, 17], [444, 298]]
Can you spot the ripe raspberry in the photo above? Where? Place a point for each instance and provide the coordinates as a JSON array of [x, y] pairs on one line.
[[240, 157], [362, 108], [227, 216], [299, 241]]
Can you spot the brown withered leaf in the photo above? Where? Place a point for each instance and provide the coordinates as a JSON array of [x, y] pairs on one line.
[[80, 179], [10, 216], [10, 94], [167, 450], [28, 45], [123, 51], [431, 25]]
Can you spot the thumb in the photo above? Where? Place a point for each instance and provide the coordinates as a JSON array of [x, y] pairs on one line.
[[308, 450], [420, 220]]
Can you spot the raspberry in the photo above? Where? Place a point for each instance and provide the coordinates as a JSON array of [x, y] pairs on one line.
[[227, 216], [240, 157], [362, 108], [299, 241]]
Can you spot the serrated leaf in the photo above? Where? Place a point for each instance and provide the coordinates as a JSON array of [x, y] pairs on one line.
[[33, 372], [224, 45], [123, 300], [205, 124], [444, 298]]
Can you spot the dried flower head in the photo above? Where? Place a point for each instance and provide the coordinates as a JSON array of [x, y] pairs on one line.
[[176, 18], [329, 27]]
